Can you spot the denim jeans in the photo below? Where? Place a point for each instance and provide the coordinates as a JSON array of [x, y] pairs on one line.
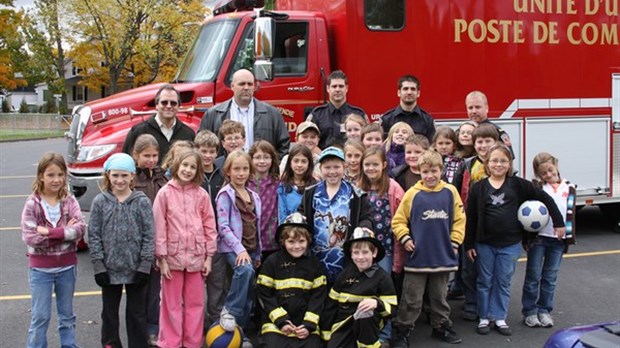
[[42, 285], [239, 300], [544, 257], [496, 266]]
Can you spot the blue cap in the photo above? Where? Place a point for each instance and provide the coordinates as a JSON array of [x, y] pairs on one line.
[[331, 151], [120, 161]]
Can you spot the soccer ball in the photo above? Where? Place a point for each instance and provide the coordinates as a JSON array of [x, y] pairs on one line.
[[533, 215], [219, 337]]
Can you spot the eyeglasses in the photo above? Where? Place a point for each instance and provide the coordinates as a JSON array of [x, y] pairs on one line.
[[172, 103], [499, 161], [262, 158], [230, 139]]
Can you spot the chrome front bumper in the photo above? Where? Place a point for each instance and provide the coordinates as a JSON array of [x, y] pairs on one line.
[[85, 188]]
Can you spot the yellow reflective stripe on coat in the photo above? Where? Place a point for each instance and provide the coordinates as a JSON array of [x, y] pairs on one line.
[[388, 302], [362, 345], [291, 283], [265, 280], [311, 317], [277, 313], [343, 297], [272, 328], [327, 335]]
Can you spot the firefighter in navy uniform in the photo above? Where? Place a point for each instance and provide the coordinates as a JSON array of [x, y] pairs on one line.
[[291, 289], [330, 117], [362, 297]]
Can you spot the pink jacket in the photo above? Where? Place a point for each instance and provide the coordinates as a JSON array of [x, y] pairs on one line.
[[395, 196], [59, 247], [185, 231]]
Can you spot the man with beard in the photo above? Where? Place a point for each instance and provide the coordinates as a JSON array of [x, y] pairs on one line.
[[330, 117], [408, 110]]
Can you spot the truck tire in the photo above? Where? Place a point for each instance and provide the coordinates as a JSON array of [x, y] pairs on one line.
[[612, 213]]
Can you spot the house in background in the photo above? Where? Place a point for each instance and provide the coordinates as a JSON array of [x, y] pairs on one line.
[[77, 94]]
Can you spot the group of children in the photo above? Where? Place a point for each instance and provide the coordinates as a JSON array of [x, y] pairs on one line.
[[340, 245]]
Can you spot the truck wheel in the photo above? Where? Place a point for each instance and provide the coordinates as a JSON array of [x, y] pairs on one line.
[[612, 213]]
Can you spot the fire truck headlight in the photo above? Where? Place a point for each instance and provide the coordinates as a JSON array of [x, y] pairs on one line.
[[91, 153]]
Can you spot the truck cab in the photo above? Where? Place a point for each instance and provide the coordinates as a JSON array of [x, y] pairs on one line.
[[225, 43]]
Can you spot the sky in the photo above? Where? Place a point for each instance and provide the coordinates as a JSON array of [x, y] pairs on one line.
[[23, 3]]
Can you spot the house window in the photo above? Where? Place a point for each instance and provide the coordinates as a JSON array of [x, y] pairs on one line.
[[78, 93]]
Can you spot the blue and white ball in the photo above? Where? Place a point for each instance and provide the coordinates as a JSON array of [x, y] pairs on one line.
[[533, 215]]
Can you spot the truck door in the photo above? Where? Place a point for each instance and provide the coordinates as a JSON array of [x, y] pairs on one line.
[[294, 89]]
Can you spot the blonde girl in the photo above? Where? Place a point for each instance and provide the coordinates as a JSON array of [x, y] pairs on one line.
[[51, 225], [297, 175], [265, 184], [545, 249], [353, 125], [184, 246], [121, 234], [175, 148], [353, 152], [239, 242], [395, 144]]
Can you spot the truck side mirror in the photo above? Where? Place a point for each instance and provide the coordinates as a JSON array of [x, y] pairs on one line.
[[264, 33], [263, 70]]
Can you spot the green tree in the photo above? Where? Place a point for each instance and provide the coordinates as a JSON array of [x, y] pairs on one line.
[[131, 42], [5, 105], [23, 107], [12, 55], [43, 33]]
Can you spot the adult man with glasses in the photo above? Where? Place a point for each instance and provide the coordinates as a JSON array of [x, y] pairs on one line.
[[260, 120], [164, 125]]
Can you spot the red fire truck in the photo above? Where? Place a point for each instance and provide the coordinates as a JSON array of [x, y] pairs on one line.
[[550, 69]]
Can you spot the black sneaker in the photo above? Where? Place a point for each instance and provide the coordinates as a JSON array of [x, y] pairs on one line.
[[400, 337], [455, 295], [446, 334]]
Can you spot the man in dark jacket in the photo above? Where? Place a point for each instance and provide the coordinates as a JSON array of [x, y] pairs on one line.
[[261, 120], [408, 110], [164, 126]]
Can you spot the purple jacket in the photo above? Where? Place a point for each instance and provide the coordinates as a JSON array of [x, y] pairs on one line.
[[267, 190], [229, 224]]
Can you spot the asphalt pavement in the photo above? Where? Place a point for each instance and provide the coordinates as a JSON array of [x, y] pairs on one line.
[[588, 288]]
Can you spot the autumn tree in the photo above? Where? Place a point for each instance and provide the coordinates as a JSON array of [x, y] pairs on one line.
[[44, 36], [132, 42], [12, 54]]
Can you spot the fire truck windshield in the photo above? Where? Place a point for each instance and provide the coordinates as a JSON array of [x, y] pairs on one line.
[[205, 57]]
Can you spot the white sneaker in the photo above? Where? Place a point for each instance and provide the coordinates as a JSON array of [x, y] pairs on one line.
[[545, 319], [227, 321], [532, 321], [246, 343]]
